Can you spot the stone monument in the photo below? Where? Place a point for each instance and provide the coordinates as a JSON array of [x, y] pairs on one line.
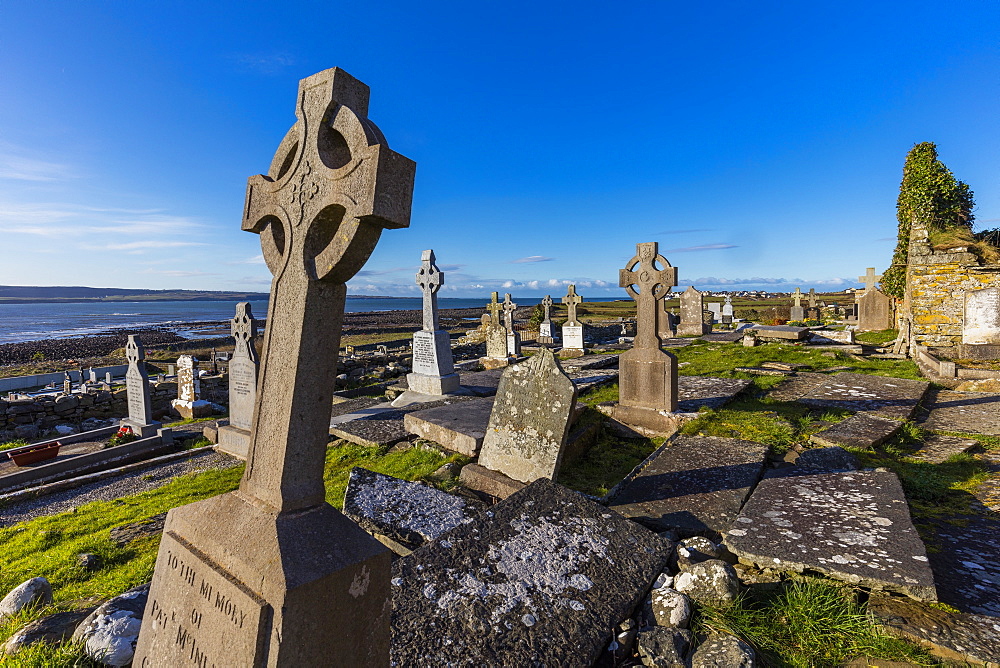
[[727, 310], [545, 326], [981, 327], [67, 383], [797, 313], [496, 335], [513, 337], [433, 367], [715, 308], [648, 375], [572, 329], [813, 312], [140, 414], [874, 306], [530, 420], [271, 574], [189, 403], [692, 322], [234, 438], [666, 322]]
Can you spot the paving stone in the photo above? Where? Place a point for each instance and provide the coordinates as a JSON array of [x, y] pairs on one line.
[[540, 579], [407, 512], [858, 431], [852, 526], [936, 448], [483, 383], [833, 458], [779, 332], [697, 391], [590, 362], [892, 397], [382, 425], [953, 636], [458, 427], [763, 371], [966, 563], [695, 485], [969, 412], [796, 386], [723, 337], [354, 405]]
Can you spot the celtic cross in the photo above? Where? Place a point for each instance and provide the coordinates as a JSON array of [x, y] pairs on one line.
[[798, 297], [869, 279], [571, 300], [812, 297], [508, 312], [647, 285], [244, 330], [547, 306], [430, 279], [332, 188], [494, 308]]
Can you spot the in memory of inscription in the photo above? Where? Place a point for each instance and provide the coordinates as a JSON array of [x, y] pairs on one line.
[[137, 390], [433, 365]]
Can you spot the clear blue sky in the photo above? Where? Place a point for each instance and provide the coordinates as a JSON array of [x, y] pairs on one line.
[[760, 143]]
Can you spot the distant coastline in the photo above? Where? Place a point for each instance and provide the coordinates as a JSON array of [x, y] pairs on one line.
[[24, 294]]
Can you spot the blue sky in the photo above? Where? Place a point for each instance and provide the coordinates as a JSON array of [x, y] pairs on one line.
[[761, 144]]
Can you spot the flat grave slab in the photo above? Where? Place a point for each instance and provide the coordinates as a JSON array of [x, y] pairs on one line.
[[540, 579], [696, 485], [970, 412], [853, 526], [697, 391], [675, 343], [796, 386], [892, 397], [380, 426], [723, 337], [763, 371], [407, 512], [966, 564], [860, 430], [779, 332], [459, 427], [590, 362], [357, 406], [936, 448], [483, 383]]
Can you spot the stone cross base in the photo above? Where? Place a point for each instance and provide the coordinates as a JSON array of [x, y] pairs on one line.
[[571, 353], [432, 353], [693, 329], [234, 441], [572, 336], [307, 588], [648, 421], [418, 382], [142, 430], [191, 409], [797, 313], [545, 330]]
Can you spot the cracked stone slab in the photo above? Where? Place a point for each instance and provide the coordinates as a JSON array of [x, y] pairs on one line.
[[458, 427], [892, 397], [966, 563], [381, 425], [693, 392], [954, 636], [853, 526], [936, 448], [796, 386], [860, 430], [407, 512], [968, 412], [695, 485], [779, 332], [723, 337], [542, 578], [590, 362]]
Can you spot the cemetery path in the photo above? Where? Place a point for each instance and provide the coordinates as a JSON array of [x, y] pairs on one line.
[[110, 489]]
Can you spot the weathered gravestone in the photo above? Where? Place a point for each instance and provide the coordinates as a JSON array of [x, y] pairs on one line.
[[692, 319], [572, 329], [727, 310], [541, 579], [666, 322], [545, 326], [874, 307], [67, 383], [140, 414], [647, 374], [513, 336], [530, 420], [715, 308], [981, 329], [496, 336], [271, 574], [433, 367], [234, 438], [797, 313], [189, 403]]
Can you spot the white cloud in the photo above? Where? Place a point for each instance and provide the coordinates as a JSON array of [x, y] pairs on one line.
[[532, 258], [704, 247], [16, 165]]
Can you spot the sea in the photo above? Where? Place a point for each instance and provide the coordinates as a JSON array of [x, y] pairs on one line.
[[31, 322]]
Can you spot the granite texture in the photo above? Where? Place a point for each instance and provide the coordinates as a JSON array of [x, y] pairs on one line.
[[969, 412], [698, 391], [891, 397], [858, 431], [458, 427]]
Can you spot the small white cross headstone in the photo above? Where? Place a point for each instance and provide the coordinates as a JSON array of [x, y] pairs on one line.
[[433, 365], [513, 336], [572, 329], [545, 326]]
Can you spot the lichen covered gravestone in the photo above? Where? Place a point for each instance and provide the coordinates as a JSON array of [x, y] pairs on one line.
[[797, 312], [874, 306], [271, 574], [513, 336], [530, 420], [692, 319], [496, 335], [140, 414], [234, 438], [433, 367]]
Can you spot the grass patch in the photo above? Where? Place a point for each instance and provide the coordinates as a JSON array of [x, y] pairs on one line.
[[877, 338], [607, 463], [808, 623]]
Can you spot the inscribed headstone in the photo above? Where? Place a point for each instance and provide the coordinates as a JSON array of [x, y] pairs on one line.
[[692, 319], [496, 335], [982, 317], [545, 326], [530, 419], [513, 336], [433, 366], [140, 414], [272, 574], [874, 311], [797, 313], [234, 438], [666, 322], [572, 329]]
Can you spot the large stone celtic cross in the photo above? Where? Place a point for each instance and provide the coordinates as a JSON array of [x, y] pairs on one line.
[[429, 279], [547, 307], [508, 312], [571, 300], [332, 188], [494, 308], [798, 296], [647, 285]]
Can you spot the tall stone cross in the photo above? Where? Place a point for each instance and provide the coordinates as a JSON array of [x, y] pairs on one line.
[[571, 300], [647, 285], [508, 312], [869, 279], [430, 279], [494, 308], [812, 297], [547, 306], [333, 186], [140, 413], [798, 296]]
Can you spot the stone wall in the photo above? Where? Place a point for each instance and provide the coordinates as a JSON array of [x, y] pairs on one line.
[[936, 283]]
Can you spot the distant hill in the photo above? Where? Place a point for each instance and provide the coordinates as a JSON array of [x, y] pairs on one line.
[[13, 294]]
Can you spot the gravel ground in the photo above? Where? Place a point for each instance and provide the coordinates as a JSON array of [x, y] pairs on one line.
[[113, 488]]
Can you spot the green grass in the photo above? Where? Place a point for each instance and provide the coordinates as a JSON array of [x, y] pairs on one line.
[[10, 445], [877, 338], [807, 623], [606, 463]]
